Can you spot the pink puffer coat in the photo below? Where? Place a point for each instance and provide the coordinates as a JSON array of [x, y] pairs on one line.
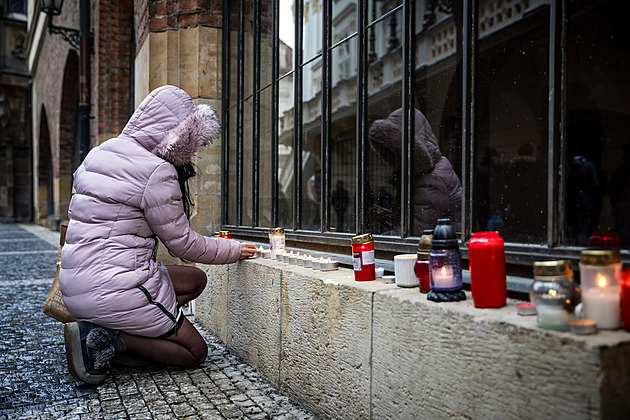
[[437, 189], [125, 194]]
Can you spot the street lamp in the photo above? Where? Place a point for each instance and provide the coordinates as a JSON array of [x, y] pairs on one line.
[[53, 8], [80, 40]]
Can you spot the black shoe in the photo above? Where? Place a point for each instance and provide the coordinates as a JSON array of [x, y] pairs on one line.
[[88, 349]]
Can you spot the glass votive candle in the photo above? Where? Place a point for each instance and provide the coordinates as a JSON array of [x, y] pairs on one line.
[[600, 276], [276, 241], [554, 294]]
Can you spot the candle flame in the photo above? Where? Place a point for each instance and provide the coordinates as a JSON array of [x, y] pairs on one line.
[[443, 271], [261, 248], [601, 281], [553, 292]]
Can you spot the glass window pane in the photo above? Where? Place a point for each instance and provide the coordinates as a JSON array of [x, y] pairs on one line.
[[266, 43], [312, 29], [343, 137], [248, 157], [287, 36], [510, 181], [311, 145], [285, 151], [382, 192], [231, 213], [598, 135], [264, 190], [344, 20], [437, 97]]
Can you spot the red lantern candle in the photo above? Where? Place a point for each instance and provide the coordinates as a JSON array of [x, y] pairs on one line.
[[487, 270], [225, 234], [625, 298], [363, 257], [422, 267]]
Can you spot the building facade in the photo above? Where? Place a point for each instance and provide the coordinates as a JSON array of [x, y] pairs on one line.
[[525, 98]]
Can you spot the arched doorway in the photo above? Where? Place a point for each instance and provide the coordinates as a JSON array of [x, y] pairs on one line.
[[45, 191]]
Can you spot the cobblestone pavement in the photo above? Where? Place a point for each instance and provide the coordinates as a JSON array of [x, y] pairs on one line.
[[35, 383]]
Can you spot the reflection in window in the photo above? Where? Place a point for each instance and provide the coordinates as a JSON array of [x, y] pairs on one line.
[[510, 174], [598, 160], [311, 145]]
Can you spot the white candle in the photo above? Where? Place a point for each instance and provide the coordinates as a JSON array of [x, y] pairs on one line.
[[259, 251], [266, 253], [315, 263], [602, 305], [553, 317], [328, 264], [286, 256], [293, 258], [308, 261], [442, 277]]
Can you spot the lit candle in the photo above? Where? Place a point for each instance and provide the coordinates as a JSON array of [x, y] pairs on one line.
[[266, 253], [601, 293], [602, 304], [286, 256], [443, 277], [328, 264], [315, 263], [279, 255], [308, 261], [300, 259], [293, 258], [259, 251]]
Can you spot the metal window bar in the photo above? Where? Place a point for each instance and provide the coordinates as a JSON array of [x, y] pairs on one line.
[[326, 115], [469, 45], [225, 138], [408, 140], [297, 120], [256, 118], [558, 103], [362, 129], [274, 112], [239, 113]]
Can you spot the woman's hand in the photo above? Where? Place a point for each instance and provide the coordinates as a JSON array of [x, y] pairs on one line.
[[248, 250]]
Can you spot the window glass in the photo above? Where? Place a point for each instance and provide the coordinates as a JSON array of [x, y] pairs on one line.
[[510, 172], [248, 158], [598, 184], [382, 192], [343, 123], [312, 29], [285, 151], [266, 44], [311, 144], [286, 35], [436, 191], [264, 162], [232, 163]]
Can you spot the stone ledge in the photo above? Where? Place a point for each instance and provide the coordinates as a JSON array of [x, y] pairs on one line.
[[348, 349]]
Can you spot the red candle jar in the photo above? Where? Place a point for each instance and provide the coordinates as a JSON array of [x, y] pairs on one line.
[[625, 298], [421, 269], [487, 270], [363, 257]]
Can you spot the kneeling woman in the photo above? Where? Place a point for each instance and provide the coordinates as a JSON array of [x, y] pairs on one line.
[[128, 193]]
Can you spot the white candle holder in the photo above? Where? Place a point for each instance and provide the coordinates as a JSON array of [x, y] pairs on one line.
[[266, 253], [315, 263], [328, 264], [308, 261], [600, 275]]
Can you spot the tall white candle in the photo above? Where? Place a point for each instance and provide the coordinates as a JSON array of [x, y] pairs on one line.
[[602, 305]]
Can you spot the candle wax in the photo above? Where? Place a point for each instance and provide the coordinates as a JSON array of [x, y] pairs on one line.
[[602, 305], [553, 317]]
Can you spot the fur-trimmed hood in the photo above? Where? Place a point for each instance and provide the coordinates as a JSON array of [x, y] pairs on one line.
[[169, 125], [386, 139]]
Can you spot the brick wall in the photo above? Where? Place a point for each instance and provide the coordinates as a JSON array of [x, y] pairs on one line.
[[111, 93]]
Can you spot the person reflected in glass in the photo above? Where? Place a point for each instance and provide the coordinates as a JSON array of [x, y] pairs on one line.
[[314, 193], [437, 190], [340, 200], [583, 196]]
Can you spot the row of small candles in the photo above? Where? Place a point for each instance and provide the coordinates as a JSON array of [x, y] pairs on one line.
[[304, 260]]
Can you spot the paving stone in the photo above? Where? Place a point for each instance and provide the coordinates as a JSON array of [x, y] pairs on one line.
[[35, 383]]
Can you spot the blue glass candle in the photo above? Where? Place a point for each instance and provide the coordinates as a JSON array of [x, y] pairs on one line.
[[445, 264]]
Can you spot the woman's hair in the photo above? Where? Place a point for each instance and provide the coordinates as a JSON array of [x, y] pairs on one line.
[[184, 173]]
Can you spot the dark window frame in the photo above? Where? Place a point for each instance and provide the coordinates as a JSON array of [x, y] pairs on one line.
[[519, 256]]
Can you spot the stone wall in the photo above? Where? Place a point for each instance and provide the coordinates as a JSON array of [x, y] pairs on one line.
[[348, 349]]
